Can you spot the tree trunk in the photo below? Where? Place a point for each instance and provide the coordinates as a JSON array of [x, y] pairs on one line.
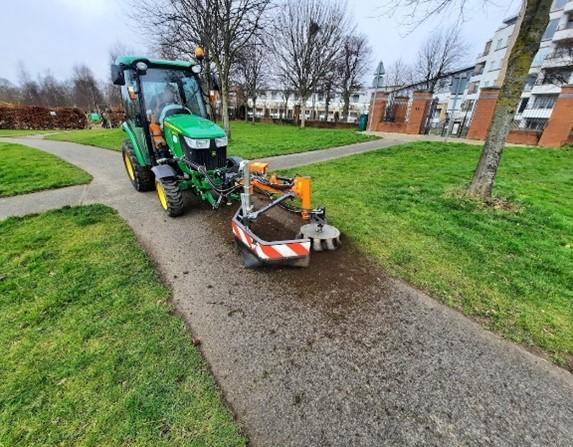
[[254, 109], [346, 107], [209, 85], [532, 23], [225, 108], [326, 106], [302, 113]]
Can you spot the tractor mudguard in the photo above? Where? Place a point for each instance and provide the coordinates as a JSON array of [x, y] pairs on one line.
[[163, 171], [136, 148]]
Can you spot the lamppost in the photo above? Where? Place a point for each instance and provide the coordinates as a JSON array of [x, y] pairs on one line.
[[377, 82]]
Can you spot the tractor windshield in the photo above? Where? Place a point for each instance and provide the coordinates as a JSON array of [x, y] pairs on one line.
[[164, 87]]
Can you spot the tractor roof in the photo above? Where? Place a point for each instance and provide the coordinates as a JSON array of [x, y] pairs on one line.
[[157, 63]]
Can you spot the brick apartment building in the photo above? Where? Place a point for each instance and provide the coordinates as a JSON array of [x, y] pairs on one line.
[[455, 105]]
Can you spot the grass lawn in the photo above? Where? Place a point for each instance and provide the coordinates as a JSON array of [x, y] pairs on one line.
[[512, 270], [24, 169], [106, 138], [248, 140], [91, 352]]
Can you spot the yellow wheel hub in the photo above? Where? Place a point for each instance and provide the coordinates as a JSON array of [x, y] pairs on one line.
[[161, 194], [129, 166]]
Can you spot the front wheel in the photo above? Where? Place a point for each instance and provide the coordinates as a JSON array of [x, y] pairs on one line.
[[141, 177], [170, 196]]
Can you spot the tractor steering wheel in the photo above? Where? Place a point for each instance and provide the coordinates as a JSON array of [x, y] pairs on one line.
[[171, 109]]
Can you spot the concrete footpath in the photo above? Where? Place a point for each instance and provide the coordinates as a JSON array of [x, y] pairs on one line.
[[337, 354]]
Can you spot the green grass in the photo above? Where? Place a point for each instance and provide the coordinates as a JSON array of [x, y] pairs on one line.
[[91, 352], [265, 140], [512, 270], [21, 133], [24, 169], [106, 138], [248, 140]]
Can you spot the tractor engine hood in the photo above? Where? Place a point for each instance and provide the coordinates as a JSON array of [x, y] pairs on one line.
[[193, 126]]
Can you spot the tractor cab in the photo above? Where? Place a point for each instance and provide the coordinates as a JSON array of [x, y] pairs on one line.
[[172, 146]]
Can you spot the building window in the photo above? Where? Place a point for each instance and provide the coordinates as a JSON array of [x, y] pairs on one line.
[[544, 101], [499, 45], [550, 30], [473, 88], [467, 105], [536, 123], [540, 57], [355, 98], [558, 4], [487, 48], [530, 82], [522, 105]]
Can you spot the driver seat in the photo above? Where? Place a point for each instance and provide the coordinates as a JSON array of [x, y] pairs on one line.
[[157, 136]]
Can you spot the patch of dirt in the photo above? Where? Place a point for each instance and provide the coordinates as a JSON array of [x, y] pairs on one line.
[[335, 280]]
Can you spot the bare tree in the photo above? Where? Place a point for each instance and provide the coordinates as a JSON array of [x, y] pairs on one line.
[[9, 92], [354, 64], [222, 27], [440, 54], [398, 74], [29, 89], [329, 85], [53, 93], [310, 34], [86, 92], [252, 71]]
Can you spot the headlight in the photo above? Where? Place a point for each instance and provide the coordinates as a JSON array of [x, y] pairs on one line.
[[221, 142], [198, 143]]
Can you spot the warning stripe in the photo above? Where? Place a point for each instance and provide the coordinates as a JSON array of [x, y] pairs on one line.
[[271, 251], [301, 249]]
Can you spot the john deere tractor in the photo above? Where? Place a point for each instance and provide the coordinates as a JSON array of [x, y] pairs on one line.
[[172, 145]]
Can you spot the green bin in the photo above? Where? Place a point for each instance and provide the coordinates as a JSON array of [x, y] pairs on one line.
[[362, 121]]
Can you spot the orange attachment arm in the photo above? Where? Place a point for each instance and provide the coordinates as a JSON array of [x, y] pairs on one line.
[[302, 187], [258, 167]]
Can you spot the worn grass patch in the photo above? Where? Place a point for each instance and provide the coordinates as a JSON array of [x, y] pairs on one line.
[[509, 264], [248, 140], [24, 169], [91, 352]]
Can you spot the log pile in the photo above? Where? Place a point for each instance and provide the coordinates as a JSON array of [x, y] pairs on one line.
[[35, 117]]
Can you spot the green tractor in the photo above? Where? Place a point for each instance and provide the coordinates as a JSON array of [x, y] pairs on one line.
[[172, 145]]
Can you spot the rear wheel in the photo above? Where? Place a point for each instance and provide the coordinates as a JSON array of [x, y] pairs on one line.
[[170, 196], [141, 177]]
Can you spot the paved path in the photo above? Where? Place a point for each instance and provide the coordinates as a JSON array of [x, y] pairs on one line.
[[337, 354], [38, 202], [305, 158]]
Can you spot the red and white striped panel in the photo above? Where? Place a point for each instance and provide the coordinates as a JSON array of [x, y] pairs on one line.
[[272, 252]]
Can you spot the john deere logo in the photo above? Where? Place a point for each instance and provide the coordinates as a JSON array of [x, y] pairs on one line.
[[213, 154]]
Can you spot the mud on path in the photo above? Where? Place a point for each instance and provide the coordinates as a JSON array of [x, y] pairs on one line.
[[336, 281]]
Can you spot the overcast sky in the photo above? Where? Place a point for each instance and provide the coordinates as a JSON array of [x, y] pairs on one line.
[[53, 35]]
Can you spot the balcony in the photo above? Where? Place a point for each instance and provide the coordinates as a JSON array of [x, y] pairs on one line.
[[537, 113], [559, 59], [545, 89], [564, 32], [568, 7]]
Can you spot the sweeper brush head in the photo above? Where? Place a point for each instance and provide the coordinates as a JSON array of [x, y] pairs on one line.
[[322, 236]]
